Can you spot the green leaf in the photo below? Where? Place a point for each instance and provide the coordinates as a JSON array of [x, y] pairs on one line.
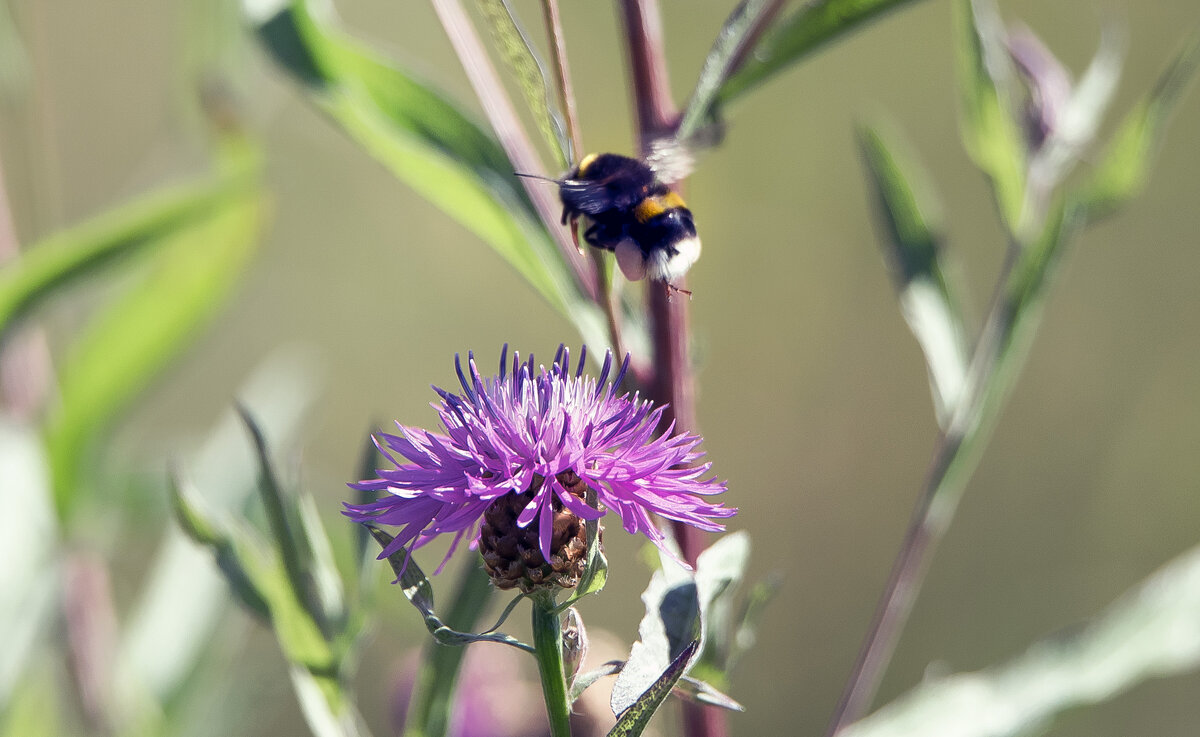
[[595, 572], [912, 230], [988, 127], [701, 692], [1151, 632], [634, 720], [672, 621], [1124, 168], [258, 578], [419, 593], [433, 689], [134, 338], [423, 139], [327, 708], [167, 638], [34, 709], [719, 63], [530, 74], [297, 539], [62, 259], [803, 32]]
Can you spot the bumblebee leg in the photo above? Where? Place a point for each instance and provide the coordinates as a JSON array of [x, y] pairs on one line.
[[575, 232], [671, 288]]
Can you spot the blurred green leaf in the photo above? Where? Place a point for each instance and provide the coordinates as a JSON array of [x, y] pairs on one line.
[[804, 31], [59, 260], [634, 720], [419, 593], [719, 63], [422, 138], [297, 542], [1151, 632], [258, 578], [988, 127], [327, 708], [34, 708], [167, 641], [530, 73], [1124, 168], [433, 690], [131, 341], [911, 219]]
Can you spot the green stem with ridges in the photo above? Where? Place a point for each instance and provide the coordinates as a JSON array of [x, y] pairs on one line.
[[547, 641]]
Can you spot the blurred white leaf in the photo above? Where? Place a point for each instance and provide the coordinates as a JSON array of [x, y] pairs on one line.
[[1152, 631], [184, 593], [27, 538]]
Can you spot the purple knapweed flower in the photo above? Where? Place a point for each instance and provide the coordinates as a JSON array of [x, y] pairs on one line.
[[536, 432]]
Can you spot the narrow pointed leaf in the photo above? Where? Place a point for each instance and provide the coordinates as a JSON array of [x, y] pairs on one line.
[[327, 708], [1124, 167], [634, 720], [431, 704], [1151, 632], [987, 124], [62, 259], [422, 138], [809, 28], [704, 693], [294, 546], [166, 640], [259, 580], [135, 337], [419, 592], [530, 74], [718, 65], [912, 240]]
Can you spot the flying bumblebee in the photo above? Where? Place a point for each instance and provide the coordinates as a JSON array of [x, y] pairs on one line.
[[633, 214]]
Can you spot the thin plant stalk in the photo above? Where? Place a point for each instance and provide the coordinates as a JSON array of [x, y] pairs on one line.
[[672, 381], [997, 359], [547, 642], [609, 301], [507, 124]]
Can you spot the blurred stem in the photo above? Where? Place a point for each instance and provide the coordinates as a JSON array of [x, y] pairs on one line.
[[558, 51], [998, 357], [429, 713], [507, 124], [547, 640], [672, 381]]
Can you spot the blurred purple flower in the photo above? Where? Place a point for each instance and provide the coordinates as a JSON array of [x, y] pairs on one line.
[[520, 431]]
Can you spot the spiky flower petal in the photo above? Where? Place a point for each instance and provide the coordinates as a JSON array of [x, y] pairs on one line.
[[526, 430]]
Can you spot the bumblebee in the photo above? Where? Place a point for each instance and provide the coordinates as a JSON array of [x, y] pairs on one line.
[[631, 213]]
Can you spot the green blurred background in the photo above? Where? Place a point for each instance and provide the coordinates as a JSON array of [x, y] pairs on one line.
[[814, 402]]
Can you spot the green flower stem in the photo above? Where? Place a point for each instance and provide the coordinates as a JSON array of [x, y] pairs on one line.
[[547, 641]]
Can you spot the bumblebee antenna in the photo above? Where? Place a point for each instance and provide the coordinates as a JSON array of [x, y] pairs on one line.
[[535, 176]]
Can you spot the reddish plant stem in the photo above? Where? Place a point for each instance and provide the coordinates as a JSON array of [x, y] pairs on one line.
[[672, 379]]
